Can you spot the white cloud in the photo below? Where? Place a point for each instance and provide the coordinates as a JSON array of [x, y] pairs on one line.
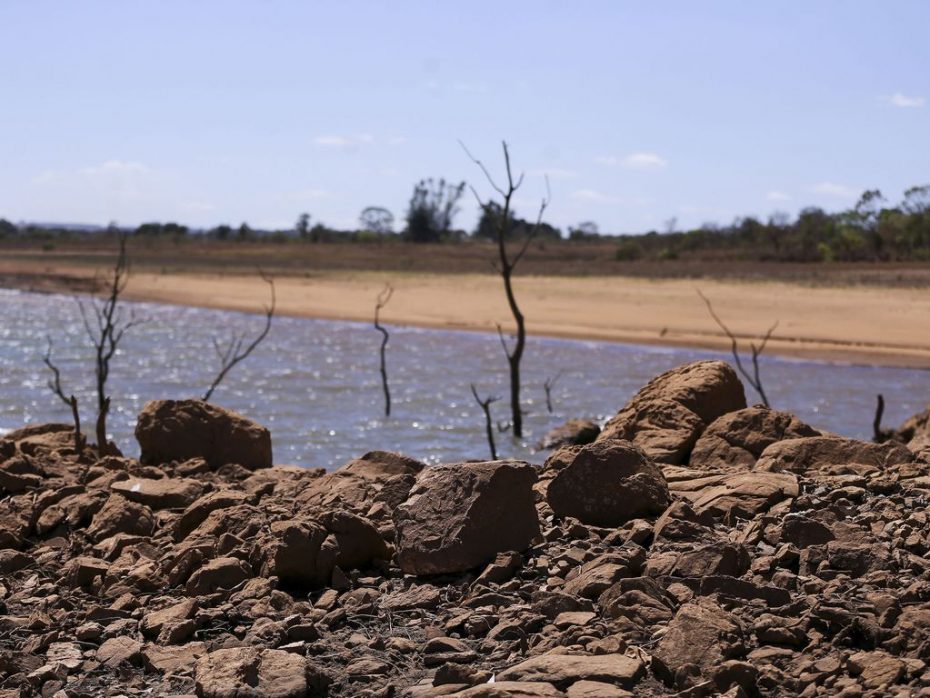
[[838, 191], [336, 141], [553, 173], [776, 195], [114, 167], [634, 161], [397, 140], [594, 196], [198, 207], [905, 102], [307, 194]]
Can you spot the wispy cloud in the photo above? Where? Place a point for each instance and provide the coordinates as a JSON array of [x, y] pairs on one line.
[[905, 102], [832, 189], [114, 167], [634, 161], [345, 142], [553, 173], [594, 196], [397, 140], [776, 195], [309, 194]]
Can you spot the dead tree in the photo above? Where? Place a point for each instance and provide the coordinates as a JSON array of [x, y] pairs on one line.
[[382, 301], [752, 378], [548, 385], [879, 434], [488, 422], [505, 266], [106, 333], [54, 384], [236, 349]]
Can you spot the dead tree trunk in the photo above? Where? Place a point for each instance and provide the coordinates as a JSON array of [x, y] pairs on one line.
[[488, 422], [505, 266], [382, 301], [106, 337]]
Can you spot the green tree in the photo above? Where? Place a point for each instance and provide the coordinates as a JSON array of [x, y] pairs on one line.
[[433, 206], [303, 226]]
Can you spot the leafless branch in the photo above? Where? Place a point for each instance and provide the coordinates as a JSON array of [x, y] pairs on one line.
[[505, 268], [485, 405], [383, 298], [754, 378], [234, 353], [54, 384], [548, 385]]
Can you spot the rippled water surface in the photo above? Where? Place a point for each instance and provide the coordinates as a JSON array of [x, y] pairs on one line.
[[315, 383]]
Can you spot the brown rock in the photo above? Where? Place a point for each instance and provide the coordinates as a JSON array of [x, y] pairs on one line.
[[562, 670], [738, 495], [247, 672], [575, 432], [460, 516], [378, 477], [119, 515], [167, 493], [701, 634], [221, 573], [735, 440], [197, 512], [177, 430], [666, 417], [119, 650], [832, 455], [606, 484], [511, 689]]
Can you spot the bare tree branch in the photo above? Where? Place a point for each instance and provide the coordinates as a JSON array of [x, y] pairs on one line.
[[505, 268], [234, 353], [54, 384], [488, 421], [383, 298], [548, 385], [754, 378]]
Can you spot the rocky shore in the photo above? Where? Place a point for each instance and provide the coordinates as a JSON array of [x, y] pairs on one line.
[[697, 547]]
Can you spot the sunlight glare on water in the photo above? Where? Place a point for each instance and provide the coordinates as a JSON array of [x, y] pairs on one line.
[[315, 383]]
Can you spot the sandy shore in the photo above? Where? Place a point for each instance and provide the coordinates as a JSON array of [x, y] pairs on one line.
[[869, 325]]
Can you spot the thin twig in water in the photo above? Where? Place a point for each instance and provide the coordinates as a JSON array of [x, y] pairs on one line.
[[548, 385], [382, 301], [488, 421], [234, 352], [754, 378]]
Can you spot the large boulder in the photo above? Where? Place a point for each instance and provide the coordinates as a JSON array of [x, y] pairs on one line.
[[372, 485], [460, 516], [829, 455], [574, 432], [165, 493], [608, 483], [249, 672], [701, 636], [729, 496], [666, 417], [303, 553], [177, 430], [735, 440], [562, 670]]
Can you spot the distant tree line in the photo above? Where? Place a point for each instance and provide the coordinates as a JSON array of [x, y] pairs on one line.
[[872, 230]]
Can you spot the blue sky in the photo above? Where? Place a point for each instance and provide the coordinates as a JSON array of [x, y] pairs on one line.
[[210, 112]]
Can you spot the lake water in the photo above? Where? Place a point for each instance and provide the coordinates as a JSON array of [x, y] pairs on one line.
[[315, 383]]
